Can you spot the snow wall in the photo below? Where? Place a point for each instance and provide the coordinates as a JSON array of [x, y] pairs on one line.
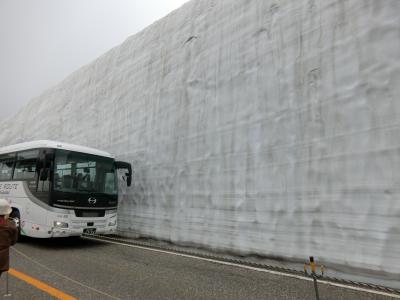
[[254, 126]]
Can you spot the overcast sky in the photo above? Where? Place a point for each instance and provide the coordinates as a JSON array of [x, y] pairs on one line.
[[43, 41]]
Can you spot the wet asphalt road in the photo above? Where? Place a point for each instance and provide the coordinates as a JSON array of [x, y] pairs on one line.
[[88, 269]]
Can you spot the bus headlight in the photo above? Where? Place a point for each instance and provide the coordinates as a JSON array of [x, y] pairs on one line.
[[60, 224], [112, 222]]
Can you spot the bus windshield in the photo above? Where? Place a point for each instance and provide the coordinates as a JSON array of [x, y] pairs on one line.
[[77, 172]]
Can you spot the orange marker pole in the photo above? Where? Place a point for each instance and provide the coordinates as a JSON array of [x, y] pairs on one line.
[[312, 264], [314, 275]]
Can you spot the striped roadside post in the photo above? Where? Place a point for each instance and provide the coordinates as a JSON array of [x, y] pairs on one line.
[[314, 276], [313, 266]]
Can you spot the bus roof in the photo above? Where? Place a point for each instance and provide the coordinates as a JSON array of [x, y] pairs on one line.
[[53, 145]]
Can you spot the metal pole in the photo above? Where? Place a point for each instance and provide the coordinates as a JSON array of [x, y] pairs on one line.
[[7, 292], [315, 286], [314, 276]]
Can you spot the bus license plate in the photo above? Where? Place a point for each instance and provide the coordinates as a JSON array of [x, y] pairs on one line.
[[89, 230]]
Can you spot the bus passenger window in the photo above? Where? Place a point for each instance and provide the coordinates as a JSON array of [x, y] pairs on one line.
[[6, 166], [25, 167]]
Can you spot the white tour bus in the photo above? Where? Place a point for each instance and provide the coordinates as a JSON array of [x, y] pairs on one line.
[[57, 189]]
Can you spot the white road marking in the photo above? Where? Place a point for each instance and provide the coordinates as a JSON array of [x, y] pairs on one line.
[[250, 268]]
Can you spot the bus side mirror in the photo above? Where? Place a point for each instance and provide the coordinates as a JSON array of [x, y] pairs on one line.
[[126, 166], [128, 179]]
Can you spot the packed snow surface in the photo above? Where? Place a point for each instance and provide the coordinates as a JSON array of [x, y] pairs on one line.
[[254, 126]]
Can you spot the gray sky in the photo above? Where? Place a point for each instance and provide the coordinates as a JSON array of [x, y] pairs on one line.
[[43, 41]]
